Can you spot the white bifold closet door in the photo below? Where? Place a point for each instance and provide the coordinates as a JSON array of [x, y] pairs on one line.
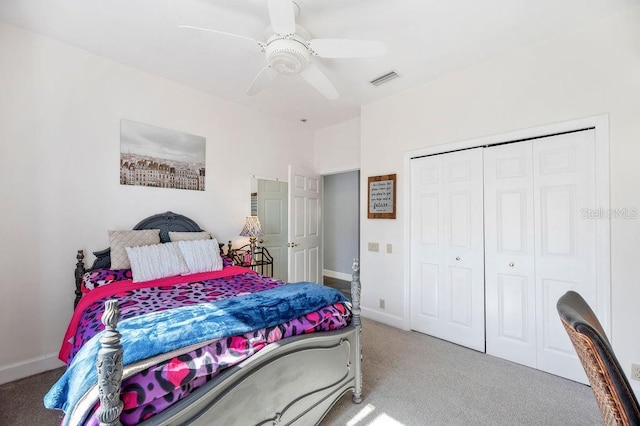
[[447, 252], [509, 247], [537, 246]]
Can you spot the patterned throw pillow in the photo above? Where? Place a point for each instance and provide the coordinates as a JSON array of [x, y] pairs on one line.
[[119, 240], [156, 261], [226, 261], [101, 277], [189, 236]]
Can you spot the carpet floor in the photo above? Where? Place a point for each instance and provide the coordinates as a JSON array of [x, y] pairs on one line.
[[408, 379], [413, 379]]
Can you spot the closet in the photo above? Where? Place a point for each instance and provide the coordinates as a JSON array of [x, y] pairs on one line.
[[498, 234]]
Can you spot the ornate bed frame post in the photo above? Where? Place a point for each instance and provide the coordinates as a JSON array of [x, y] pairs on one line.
[[355, 301], [109, 366], [79, 272]]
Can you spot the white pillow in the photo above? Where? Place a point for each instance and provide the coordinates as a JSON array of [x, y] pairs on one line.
[[201, 255], [156, 261], [189, 236]]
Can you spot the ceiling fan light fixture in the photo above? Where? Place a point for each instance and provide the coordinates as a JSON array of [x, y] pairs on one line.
[[287, 55], [289, 47]]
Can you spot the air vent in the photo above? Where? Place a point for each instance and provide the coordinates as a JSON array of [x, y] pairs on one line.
[[384, 78]]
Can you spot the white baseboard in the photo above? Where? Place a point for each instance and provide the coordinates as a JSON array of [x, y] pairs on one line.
[[337, 275], [29, 367], [382, 317]]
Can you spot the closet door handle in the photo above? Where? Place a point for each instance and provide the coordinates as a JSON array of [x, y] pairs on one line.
[[457, 257], [511, 264]]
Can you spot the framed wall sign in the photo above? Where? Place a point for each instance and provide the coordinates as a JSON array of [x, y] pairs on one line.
[[382, 197]]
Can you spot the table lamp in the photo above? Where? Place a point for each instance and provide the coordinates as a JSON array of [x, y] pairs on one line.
[[252, 229]]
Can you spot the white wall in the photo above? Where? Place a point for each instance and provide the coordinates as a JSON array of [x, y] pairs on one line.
[[337, 147], [584, 72], [60, 112]]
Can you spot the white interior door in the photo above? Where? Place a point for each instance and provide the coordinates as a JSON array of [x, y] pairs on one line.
[[509, 252], [447, 251], [566, 242], [539, 242], [537, 246], [272, 211], [305, 227]]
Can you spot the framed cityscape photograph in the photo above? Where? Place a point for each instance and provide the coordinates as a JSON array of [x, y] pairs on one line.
[[161, 158]]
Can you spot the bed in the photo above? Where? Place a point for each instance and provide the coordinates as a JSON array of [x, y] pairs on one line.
[[215, 346]]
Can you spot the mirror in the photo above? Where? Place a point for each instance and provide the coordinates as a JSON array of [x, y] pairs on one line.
[[269, 200]]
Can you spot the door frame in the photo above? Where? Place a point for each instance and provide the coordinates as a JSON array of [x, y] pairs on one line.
[[600, 123]]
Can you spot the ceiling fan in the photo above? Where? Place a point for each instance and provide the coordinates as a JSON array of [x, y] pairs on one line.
[[289, 47]]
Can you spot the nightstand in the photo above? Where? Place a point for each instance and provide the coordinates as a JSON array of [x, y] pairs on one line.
[[261, 262]]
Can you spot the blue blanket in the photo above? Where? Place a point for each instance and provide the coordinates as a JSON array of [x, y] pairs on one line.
[[152, 334]]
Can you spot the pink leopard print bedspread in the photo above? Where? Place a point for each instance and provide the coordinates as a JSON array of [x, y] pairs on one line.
[[159, 295], [153, 390]]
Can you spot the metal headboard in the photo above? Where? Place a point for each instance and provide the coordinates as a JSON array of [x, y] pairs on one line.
[[165, 222]]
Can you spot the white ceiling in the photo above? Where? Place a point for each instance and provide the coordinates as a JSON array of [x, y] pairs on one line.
[[424, 39]]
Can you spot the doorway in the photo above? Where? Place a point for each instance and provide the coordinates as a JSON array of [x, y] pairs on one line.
[[341, 227]]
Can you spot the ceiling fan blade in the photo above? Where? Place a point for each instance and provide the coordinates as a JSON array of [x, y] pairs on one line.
[[344, 48], [282, 16], [189, 27], [319, 81], [264, 77]]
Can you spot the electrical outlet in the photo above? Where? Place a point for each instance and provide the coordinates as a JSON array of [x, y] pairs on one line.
[[381, 303], [635, 371], [389, 248], [374, 247]]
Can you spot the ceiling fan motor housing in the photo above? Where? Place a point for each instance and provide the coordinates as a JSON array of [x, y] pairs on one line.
[[287, 55]]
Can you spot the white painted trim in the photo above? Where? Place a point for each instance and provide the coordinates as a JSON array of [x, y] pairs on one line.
[[268, 178], [601, 124], [603, 227], [392, 320], [29, 367], [406, 321], [337, 172], [337, 275]]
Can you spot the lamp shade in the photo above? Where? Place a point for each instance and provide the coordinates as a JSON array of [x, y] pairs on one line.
[[252, 227]]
